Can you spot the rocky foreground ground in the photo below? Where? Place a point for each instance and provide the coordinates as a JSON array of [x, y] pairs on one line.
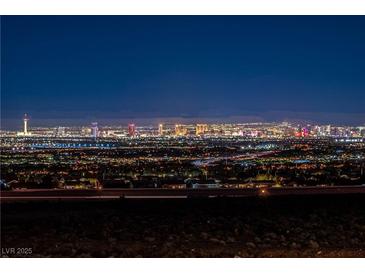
[[308, 226]]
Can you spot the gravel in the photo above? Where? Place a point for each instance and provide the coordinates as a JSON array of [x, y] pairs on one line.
[[319, 226]]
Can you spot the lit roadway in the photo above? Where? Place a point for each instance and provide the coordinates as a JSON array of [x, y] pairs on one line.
[[249, 156], [147, 193]]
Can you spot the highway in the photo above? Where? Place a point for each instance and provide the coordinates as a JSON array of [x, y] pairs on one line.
[[151, 193]]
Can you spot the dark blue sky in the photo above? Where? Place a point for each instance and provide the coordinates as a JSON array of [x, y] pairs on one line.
[[104, 67]]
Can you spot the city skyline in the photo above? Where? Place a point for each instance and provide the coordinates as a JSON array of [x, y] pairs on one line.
[[260, 130], [293, 118], [83, 69], [162, 121]]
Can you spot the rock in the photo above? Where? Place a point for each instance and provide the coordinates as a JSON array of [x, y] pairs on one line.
[[313, 244], [215, 240], [112, 240], [230, 240], [257, 240], [190, 236], [250, 245], [354, 241], [271, 235], [150, 239], [204, 235], [169, 244]]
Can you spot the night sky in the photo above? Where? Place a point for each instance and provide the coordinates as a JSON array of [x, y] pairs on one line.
[[127, 67]]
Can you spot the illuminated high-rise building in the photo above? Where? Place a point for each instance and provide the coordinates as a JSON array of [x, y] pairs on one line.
[[25, 120], [94, 130], [180, 130], [328, 130], [61, 132], [200, 129], [25, 131], [131, 130], [305, 132], [160, 129]]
